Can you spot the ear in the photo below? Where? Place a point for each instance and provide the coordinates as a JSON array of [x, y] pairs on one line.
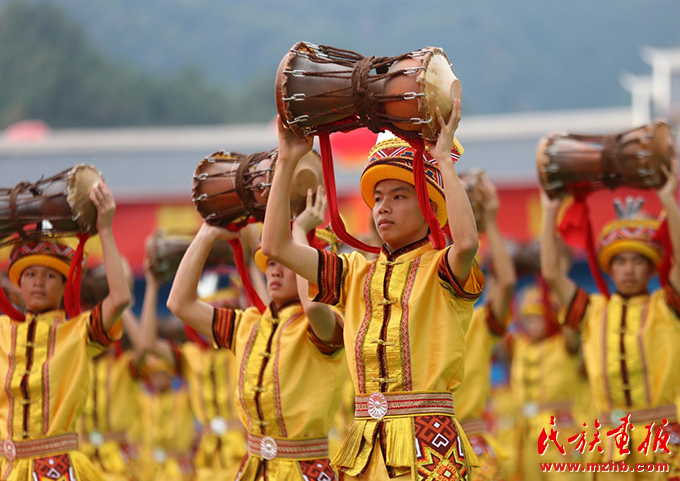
[[435, 207]]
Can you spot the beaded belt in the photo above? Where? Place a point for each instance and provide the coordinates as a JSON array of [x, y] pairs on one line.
[[12, 450], [657, 413], [270, 448], [378, 405], [473, 427]]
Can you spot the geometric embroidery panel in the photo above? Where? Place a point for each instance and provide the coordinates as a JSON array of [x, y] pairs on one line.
[[439, 454], [317, 470], [53, 468]]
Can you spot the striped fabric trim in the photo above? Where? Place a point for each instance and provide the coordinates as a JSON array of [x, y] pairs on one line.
[[97, 332], [290, 448], [277, 383], [447, 276], [322, 346], [43, 446], [672, 299], [407, 382], [495, 327], [408, 404], [224, 320], [330, 276], [46, 375], [577, 309]]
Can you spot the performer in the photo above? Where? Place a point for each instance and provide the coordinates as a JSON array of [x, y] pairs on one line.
[[45, 358], [486, 329], [108, 429], [210, 375], [289, 379], [546, 380], [630, 339], [404, 310]]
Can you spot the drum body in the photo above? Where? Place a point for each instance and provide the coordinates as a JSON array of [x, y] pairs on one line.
[[164, 253], [572, 163], [322, 89], [231, 189], [63, 200]]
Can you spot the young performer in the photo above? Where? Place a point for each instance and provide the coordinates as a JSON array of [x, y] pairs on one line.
[[485, 330], [44, 359], [289, 381], [211, 376], [403, 311], [629, 339]]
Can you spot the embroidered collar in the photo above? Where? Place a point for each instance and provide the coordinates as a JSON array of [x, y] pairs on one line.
[[48, 316], [404, 250], [276, 313], [640, 298]]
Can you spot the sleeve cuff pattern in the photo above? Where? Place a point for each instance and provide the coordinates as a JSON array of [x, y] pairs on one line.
[[224, 320], [329, 278], [577, 309]]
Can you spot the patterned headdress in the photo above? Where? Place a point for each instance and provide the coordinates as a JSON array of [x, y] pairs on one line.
[[629, 233], [48, 253], [392, 158], [534, 302], [325, 239]]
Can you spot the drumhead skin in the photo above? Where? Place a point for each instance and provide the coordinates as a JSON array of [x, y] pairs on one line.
[[81, 179]]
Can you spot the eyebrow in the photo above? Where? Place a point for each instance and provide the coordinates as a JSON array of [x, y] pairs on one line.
[[393, 190]]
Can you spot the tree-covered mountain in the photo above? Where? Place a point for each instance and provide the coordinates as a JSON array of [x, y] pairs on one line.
[[510, 56]]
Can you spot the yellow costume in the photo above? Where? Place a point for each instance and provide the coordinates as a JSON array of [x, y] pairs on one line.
[[45, 364], [211, 379], [471, 399], [289, 386], [168, 435], [630, 350], [111, 415], [405, 346], [631, 355]]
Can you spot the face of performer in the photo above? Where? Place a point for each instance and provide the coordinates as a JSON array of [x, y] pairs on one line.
[[161, 381], [42, 288], [631, 272], [281, 283], [534, 325], [397, 214]]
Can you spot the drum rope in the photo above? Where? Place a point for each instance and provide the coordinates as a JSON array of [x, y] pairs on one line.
[[609, 178]]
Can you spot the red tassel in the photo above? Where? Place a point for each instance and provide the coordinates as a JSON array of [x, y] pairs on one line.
[[329, 183], [577, 231], [8, 308], [253, 297], [662, 236], [74, 279], [436, 235], [195, 337]]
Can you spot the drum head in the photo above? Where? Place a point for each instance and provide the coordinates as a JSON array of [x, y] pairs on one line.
[[81, 179], [441, 86], [308, 175]]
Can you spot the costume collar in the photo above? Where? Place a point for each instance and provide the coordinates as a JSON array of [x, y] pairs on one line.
[[423, 245], [640, 298], [278, 313]]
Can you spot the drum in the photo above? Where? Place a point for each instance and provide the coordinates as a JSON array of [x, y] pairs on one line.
[[573, 163], [164, 253], [324, 89], [63, 200], [231, 189]]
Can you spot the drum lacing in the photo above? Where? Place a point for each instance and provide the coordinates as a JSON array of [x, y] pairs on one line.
[[609, 178]]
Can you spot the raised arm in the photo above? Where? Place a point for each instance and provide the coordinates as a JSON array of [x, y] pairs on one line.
[[668, 201], [133, 331], [118, 297], [461, 219], [502, 265], [152, 343], [321, 317], [183, 300], [277, 243], [551, 270]]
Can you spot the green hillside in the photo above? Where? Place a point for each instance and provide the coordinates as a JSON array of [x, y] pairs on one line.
[[510, 56]]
